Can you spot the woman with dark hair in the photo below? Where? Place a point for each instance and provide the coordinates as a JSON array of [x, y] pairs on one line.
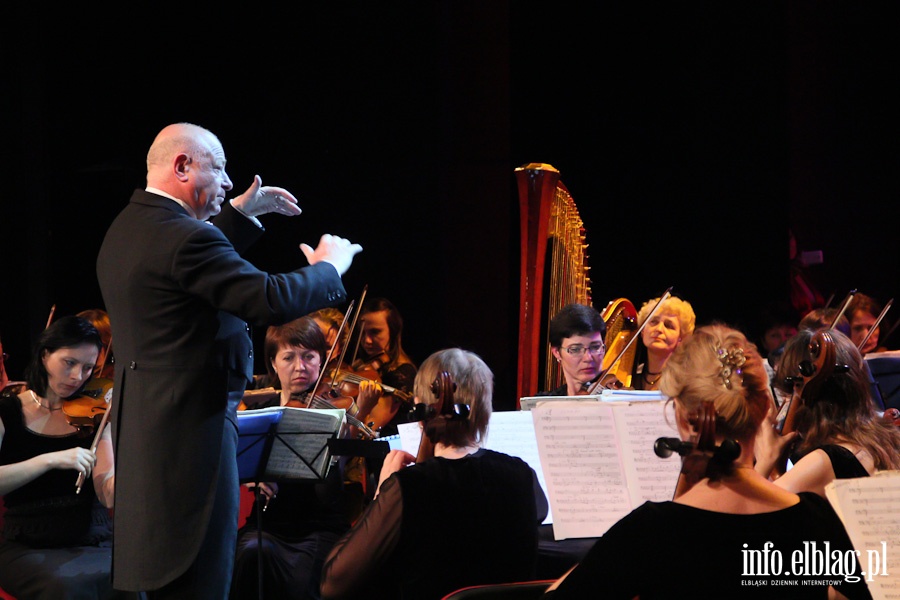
[[56, 539], [576, 335], [302, 519], [841, 433], [381, 352]]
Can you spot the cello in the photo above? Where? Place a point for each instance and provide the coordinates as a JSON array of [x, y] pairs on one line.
[[700, 456], [443, 413], [813, 374]]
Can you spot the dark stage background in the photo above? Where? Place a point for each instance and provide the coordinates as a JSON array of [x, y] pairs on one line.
[[693, 138]]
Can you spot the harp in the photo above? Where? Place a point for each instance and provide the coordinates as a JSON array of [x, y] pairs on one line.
[[620, 317], [554, 270]]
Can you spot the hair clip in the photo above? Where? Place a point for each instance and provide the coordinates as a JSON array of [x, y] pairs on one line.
[[732, 360]]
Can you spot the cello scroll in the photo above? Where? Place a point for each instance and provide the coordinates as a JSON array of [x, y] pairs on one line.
[[701, 457]]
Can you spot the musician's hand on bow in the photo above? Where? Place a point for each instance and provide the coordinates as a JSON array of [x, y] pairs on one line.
[[260, 200], [771, 447], [77, 459], [332, 249]]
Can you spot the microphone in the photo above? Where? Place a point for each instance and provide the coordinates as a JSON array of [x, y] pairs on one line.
[[664, 447]]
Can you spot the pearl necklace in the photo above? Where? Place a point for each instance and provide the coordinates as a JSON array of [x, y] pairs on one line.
[[39, 403]]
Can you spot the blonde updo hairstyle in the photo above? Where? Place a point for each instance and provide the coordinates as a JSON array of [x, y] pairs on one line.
[[474, 387], [686, 317], [695, 373]]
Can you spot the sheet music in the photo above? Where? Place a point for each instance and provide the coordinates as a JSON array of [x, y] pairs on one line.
[[305, 432], [870, 510], [410, 436], [649, 477], [593, 454], [512, 432]]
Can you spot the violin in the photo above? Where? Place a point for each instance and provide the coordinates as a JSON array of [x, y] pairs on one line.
[[318, 401], [701, 457], [85, 412], [346, 382], [89, 411]]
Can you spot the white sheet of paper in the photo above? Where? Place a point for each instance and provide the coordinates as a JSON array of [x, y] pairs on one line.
[[593, 454], [870, 510], [512, 432]]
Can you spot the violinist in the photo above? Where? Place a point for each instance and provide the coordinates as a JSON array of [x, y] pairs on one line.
[[56, 538], [839, 432], [673, 321], [576, 336], [302, 520], [381, 355], [707, 529], [330, 321], [462, 515], [863, 312]]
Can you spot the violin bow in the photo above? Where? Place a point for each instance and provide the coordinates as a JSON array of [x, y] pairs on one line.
[[105, 358], [843, 309], [333, 346], [591, 387], [50, 318], [80, 482], [362, 299], [876, 324]]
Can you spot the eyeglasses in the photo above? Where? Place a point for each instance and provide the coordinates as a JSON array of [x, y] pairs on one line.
[[578, 349]]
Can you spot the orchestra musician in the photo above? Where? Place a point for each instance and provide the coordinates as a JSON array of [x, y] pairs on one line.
[[56, 537], [729, 510], [839, 433], [576, 335], [673, 321], [381, 353], [462, 515], [182, 299], [862, 312], [302, 519]]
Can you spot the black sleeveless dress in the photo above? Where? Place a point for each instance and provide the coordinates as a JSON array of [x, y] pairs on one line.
[[56, 543]]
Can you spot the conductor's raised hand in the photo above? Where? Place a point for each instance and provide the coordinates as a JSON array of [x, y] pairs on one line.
[[260, 200], [332, 249]]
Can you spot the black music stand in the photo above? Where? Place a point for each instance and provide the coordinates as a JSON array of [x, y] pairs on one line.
[[885, 370], [275, 444]]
